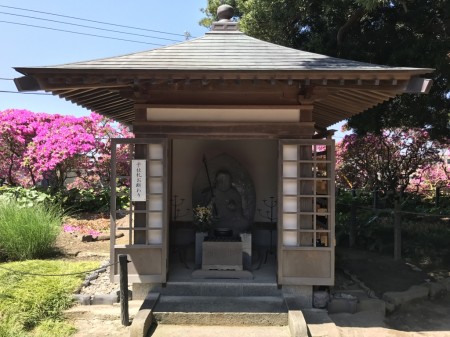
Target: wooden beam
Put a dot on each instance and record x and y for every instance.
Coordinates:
(419, 85)
(248, 130)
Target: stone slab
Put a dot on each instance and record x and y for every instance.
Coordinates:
(222, 274)
(398, 298)
(371, 304)
(82, 299)
(164, 330)
(339, 305)
(104, 299)
(219, 288)
(209, 310)
(436, 289)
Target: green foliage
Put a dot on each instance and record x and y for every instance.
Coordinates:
(74, 200)
(371, 227)
(26, 197)
(394, 33)
(27, 232)
(424, 237)
(54, 328)
(33, 305)
(11, 328)
(92, 200)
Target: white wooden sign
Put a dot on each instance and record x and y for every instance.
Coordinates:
(138, 179)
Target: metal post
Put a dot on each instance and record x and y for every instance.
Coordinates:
(375, 199)
(438, 195)
(352, 238)
(123, 268)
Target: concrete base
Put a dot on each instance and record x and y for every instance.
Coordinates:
(222, 274)
(140, 290)
(302, 295)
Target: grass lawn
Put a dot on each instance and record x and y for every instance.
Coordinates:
(33, 305)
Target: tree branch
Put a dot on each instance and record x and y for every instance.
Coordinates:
(355, 17)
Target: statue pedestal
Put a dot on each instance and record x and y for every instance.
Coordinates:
(222, 255)
(246, 239)
(225, 259)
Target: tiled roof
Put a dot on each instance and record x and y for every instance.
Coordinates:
(222, 60)
(224, 51)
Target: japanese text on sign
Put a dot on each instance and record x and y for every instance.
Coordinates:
(138, 175)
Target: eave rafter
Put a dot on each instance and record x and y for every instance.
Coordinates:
(336, 94)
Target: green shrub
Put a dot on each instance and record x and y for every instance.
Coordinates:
(92, 200)
(54, 328)
(26, 197)
(10, 328)
(27, 232)
(35, 304)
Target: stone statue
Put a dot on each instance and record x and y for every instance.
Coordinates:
(231, 194)
(227, 203)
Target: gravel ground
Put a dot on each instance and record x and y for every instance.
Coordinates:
(100, 284)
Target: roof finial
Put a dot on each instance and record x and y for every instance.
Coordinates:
(225, 13)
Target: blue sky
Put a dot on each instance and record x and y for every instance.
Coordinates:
(31, 46)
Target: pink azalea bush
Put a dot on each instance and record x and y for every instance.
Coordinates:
(394, 161)
(36, 146)
(426, 181)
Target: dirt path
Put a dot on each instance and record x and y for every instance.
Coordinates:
(422, 318)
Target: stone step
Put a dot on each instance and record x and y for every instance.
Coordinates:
(219, 288)
(164, 330)
(319, 323)
(220, 310)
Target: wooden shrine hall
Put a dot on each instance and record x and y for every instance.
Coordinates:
(259, 113)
